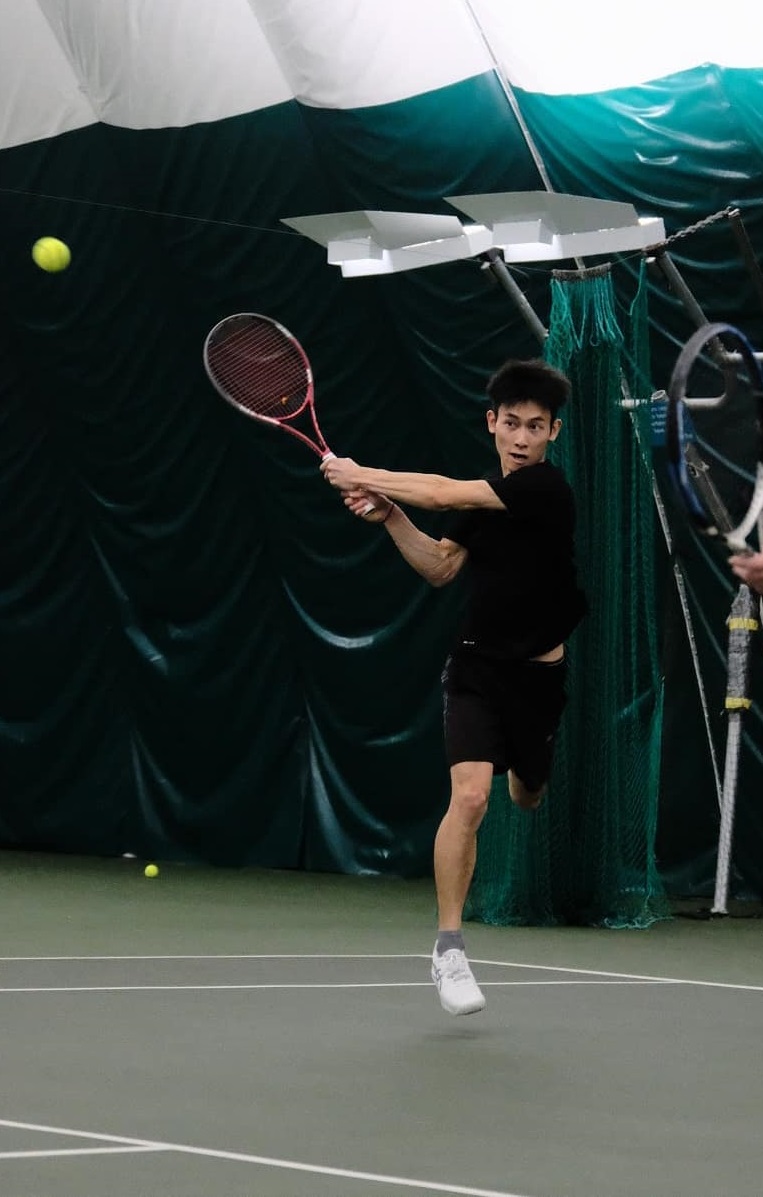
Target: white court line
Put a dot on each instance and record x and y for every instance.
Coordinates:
(404, 1182)
(298, 985)
(246, 956)
(37, 1155)
(553, 968)
(594, 972)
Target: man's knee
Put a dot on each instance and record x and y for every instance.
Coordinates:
(469, 802)
(522, 795)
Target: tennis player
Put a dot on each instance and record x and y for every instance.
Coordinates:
(505, 679)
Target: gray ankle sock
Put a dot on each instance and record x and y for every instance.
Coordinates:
(447, 940)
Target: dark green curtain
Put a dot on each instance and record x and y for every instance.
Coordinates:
(207, 657)
(204, 657)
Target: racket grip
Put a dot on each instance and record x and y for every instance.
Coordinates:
(369, 507)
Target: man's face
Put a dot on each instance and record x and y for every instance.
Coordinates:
(522, 431)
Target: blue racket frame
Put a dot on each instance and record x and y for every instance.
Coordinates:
(706, 509)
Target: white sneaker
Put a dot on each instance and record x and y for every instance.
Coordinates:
(459, 992)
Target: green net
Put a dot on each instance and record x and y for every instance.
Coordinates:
(587, 856)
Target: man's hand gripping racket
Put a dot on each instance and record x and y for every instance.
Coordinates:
(260, 368)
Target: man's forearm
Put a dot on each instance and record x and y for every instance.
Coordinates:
(424, 554)
(432, 492)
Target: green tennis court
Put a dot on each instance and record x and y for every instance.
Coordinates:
(243, 1032)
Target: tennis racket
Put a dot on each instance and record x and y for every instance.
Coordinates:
(259, 367)
(715, 442)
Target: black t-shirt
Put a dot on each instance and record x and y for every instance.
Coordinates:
(524, 595)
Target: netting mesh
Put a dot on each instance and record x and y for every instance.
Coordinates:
(587, 856)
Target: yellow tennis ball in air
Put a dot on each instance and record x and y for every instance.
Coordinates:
(151, 870)
(51, 255)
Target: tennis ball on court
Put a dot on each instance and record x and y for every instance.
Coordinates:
(151, 870)
(51, 255)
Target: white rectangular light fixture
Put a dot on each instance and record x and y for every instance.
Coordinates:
(527, 226)
(561, 226)
(378, 242)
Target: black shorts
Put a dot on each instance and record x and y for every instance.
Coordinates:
(505, 712)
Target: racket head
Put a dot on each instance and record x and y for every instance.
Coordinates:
(715, 443)
(259, 366)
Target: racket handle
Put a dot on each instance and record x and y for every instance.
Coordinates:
(329, 456)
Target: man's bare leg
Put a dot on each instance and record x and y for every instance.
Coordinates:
(455, 846)
(454, 858)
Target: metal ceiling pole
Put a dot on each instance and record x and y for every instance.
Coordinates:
(492, 260)
(512, 99)
(508, 91)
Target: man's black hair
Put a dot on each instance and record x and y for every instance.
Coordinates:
(535, 380)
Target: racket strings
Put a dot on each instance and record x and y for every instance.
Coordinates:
(745, 474)
(261, 370)
(714, 424)
(728, 453)
(722, 439)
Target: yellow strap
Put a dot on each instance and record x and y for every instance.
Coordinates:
(736, 704)
(749, 625)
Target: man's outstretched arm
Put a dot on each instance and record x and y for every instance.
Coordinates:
(433, 492)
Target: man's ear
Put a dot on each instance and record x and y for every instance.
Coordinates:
(491, 421)
(555, 430)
